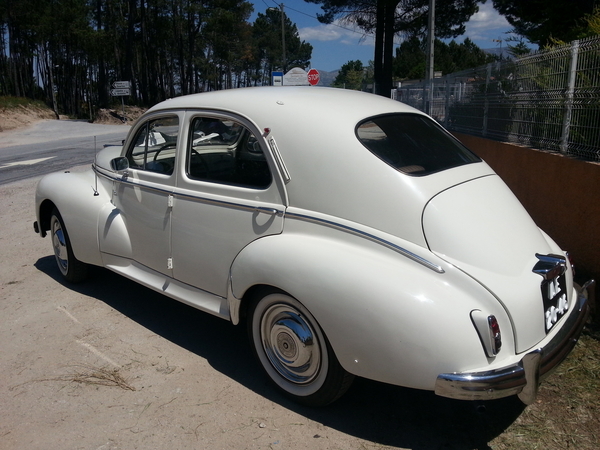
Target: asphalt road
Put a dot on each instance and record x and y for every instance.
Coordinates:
(52, 146)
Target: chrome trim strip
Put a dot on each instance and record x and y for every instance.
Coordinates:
(209, 201)
(285, 174)
(126, 180)
(258, 209)
(522, 378)
(273, 211)
(370, 237)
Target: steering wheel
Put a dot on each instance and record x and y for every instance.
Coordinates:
(203, 163)
(164, 147)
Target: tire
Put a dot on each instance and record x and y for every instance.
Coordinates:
(294, 352)
(70, 267)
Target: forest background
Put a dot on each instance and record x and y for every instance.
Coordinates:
(68, 53)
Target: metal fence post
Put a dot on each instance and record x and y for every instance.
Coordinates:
(564, 139)
(486, 105)
(447, 105)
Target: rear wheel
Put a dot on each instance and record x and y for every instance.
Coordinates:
(294, 352)
(70, 267)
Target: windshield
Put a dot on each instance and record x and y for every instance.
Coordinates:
(413, 144)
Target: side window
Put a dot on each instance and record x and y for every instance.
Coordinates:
(224, 151)
(412, 144)
(154, 146)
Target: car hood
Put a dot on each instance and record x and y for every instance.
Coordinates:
(480, 227)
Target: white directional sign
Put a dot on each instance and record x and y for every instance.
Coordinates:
(121, 84)
(120, 92)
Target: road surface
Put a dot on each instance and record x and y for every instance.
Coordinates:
(53, 145)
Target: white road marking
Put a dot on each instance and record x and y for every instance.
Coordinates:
(29, 162)
(98, 353)
(68, 314)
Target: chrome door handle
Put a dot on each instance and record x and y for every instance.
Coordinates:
(269, 211)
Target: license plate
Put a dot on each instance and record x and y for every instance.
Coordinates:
(556, 304)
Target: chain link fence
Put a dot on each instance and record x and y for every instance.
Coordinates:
(547, 100)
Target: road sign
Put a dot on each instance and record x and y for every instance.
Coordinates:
(277, 78)
(295, 77)
(313, 77)
(121, 85)
(120, 92)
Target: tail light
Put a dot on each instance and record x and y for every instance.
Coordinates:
(488, 330)
(495, 335)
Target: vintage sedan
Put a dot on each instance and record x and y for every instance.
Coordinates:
(350, 233)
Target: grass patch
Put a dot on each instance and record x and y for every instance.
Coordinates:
(566, 413)
(98, 376)
(15, 102)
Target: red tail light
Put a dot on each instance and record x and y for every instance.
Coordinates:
(495, 335)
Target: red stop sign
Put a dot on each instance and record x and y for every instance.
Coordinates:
(313, 76)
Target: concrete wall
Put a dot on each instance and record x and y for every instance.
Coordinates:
(561, 194)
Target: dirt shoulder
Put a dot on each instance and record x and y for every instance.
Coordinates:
(20, 117)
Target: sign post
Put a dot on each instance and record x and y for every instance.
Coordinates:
(121, 89)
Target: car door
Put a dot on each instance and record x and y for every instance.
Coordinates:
(227, 196)
(143, 196)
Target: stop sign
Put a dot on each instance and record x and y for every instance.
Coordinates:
(313, 76)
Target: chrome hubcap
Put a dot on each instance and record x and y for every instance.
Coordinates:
(60, 245)
(290, 344)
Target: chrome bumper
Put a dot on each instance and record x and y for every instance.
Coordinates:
(523, 378)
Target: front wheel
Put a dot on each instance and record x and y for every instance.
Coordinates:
(70, 267)
(294, 352)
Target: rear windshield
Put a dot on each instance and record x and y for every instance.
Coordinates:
(412, 144)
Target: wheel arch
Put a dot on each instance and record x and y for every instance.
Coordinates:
(44, 214)
(78, 198)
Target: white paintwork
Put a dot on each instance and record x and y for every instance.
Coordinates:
(337, 239)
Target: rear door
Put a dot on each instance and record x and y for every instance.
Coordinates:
(227, 196)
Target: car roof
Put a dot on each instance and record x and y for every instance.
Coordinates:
(264, 104)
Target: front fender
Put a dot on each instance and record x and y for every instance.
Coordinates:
(79, 197)
(387, 317)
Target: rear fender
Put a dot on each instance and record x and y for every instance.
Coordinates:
(387, 317)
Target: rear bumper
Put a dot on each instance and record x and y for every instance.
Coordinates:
(523, 378)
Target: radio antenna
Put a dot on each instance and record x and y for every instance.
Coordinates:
(95, 168)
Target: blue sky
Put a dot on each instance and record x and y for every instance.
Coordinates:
(335, 45)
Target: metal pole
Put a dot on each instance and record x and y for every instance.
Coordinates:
(283, 35)
(430, 44)
(486, 101)
(564, 140)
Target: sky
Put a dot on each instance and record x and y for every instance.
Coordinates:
(335, 45)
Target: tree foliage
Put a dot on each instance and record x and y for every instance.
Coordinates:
(453, 57)
(350, 76)
(387, 18)
(269, 43)
(542, 21)
(69, 52)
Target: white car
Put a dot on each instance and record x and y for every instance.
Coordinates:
(350, 233)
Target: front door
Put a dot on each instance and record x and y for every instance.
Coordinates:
(144, 196)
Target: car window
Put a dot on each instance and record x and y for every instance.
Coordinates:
(413, 144)
(154, 146)
(225, 151)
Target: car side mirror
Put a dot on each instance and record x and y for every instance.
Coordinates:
(119, 164)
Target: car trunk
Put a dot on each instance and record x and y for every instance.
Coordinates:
(481, 228)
